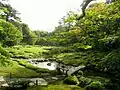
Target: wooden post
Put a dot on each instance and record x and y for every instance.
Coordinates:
(10, 75)
(67, 71)
(36, 82)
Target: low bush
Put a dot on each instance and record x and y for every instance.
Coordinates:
(79, 73)
(110, 62)
(72, 80)
(4, 52)
(4, 61)
(95, 86)
(84, 81)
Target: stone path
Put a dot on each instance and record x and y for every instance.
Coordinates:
(11, 82)
(3, 82)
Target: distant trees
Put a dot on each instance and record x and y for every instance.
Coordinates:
(98, 28)
(89, 30)
(28, 36)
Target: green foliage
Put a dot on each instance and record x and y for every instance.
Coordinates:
(56, 87)
(32, 39)
(72, 80)
(109, 43)
(17, 71)
(93, 41)
(4, 52)
(28, 36)
(95, 86)
(9, 34)
(27, 51)
(4, 62)
(84, 81)
(80, 72)
(8, 13)
(111, 62)
(81, 47)
(4, 57)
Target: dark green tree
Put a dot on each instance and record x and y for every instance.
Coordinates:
(28, 36)
(9, 34)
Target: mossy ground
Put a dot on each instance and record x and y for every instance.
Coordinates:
(17, 70)
(27, 51)
(22, 69)
(56, 87)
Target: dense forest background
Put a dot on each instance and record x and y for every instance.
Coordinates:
(94, 40)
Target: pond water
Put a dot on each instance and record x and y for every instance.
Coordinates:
(47, 65)
(53, 65)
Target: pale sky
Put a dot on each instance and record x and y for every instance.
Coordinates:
(44, 14)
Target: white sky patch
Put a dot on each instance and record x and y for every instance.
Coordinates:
(44, 14)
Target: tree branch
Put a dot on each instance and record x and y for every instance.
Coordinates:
(84, 6)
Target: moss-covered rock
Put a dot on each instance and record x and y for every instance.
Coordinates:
(72, 80)
(95, 86)
(84, 81)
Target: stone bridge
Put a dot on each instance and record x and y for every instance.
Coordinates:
(68, 70)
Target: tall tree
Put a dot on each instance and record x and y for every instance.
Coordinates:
(8, 13)
(85, 3)
(84, 6)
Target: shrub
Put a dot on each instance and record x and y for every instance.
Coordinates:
(4, 52)
(72, 80)
(95, 86)
(80, 72)
(4, 61)
(22, 62)
(84, 81)
(4, 55)
(111, 62)
(81, 47)
(54, 51)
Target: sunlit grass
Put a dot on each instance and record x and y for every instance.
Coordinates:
(28, 51)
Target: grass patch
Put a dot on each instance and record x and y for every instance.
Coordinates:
(17, 71)
(27, 51)
(81, 57)
(56, 87)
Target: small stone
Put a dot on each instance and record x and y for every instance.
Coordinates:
(54, 78)
(5, 85)
(31, 84)
(49, 64)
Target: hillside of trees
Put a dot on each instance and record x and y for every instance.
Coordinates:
(93, 40)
